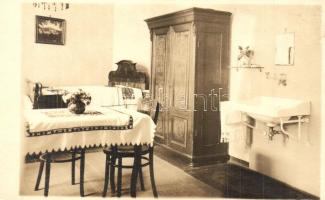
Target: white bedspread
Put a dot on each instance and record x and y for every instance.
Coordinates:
(141, 132)
(107, 96)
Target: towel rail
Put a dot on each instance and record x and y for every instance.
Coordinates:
(299, 121)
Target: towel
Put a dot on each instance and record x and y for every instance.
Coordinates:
(228, 114)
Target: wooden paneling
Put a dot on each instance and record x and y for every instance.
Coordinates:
(210, 78)
(159, 60)
(190, 58)
(180, 68)
(189, 15)
(210, 62)
(179, 131)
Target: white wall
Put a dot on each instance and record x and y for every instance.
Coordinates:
(85, 58)
(131, 34)
(293, 162)
(255, 25)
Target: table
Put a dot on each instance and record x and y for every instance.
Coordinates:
(58, 129)
(49, 130)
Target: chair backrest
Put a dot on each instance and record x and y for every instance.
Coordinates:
(155, 111)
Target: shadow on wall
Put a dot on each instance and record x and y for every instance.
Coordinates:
(263, 163)
(144, 69)
(249, 137)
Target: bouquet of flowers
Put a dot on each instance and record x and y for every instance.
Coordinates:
(77, 101)
(245, 56)
(78, 96)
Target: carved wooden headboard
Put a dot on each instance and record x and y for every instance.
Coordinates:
(127, 75)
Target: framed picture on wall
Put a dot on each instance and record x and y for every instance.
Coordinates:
(50, 30)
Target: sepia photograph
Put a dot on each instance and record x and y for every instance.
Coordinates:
(167, 99)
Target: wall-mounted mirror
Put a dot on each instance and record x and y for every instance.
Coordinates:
(284, 52)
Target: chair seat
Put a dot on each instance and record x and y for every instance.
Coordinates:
(140, 153)
(60, 157)
(126, 151)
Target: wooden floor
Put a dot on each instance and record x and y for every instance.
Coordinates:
(174, 178)
(235, 180)
(170, 180)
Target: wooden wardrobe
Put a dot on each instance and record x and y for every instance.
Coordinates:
(189, 76)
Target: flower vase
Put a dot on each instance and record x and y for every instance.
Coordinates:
(249, 62)
(78, 107)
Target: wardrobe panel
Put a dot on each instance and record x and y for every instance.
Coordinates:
(159, 61)
(180, 66)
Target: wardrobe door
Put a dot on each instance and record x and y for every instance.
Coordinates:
(159, 71)
(178, 80)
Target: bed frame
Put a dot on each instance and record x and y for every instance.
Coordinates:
(127, 75)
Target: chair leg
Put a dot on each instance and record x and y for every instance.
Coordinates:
(135, 170)
(119, 177)
(39, 176)
(73, 166)
(141, 176)
(47, 175)
(107, 166)
(82, 171)
(152, 176)
(112, 175)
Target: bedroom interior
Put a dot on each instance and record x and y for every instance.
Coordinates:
(239, 96)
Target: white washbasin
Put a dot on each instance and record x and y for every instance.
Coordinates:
(273, 109)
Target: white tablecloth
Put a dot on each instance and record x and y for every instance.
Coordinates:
(141, 132)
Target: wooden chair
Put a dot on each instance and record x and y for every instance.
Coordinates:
(139, 153)
(58, 157)
(61, 157)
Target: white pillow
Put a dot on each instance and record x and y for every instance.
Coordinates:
(27, 103)
(137, 96)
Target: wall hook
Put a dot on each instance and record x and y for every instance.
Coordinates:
(285, 30)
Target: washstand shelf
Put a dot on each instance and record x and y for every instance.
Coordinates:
(253, 66)
(275, 112)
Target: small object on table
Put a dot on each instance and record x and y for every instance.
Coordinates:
(77, 101)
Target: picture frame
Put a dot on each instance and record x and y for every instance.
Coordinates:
(50, 30)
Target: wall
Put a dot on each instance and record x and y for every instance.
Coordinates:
(322, 154)
(292, 162)
(131, 34)
(85, 58)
